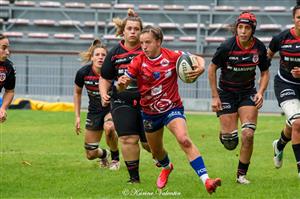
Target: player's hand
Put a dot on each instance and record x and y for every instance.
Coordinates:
(258, 99)
(105, 100)
(122, 83)
(3, 115)
(77, 126)
(296, 72)
(216, 104)
(198, 65)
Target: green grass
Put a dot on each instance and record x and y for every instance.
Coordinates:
(41, 157)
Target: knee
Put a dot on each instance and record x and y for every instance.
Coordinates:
(146, 146)
(230, 140)
(91, 150)
(129, 140)
(91, 155)
(185, 142)
(296, 125)
(108, 128)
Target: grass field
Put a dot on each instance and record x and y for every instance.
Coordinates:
(41, 157)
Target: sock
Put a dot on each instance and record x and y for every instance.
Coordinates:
(165, 162)
(199, 168)
(104, 153)
(133, 169)
(242, 169)
(283, 140)
(115, 155)
(296, 148)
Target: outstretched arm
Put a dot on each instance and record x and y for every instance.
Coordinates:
(7, 99)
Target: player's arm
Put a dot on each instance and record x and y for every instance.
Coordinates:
(123, 82)
(212, 76)
(104, 88)
(263, 84)
(7, 99)
(199, 67)
(296, 72)
(270, 53)
(77, 107)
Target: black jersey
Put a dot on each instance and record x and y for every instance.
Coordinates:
(7, 75)
(238, 65)
(115, 64)
(85, 76)
(288, 45)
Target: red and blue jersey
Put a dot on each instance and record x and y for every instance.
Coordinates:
(157, 81)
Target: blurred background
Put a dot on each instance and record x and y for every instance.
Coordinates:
(46, 37)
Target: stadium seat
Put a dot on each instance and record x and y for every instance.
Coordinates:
(13, 34)
(187, 38)
(270, 27)
(149, 7)
(218, 26)
(44, 22)
(214, 39)
(168, 25)
(19, 21)
(174, 7)
(198, 8)
(86, 36)
(4, 3)
(74, 5)
(288, 26)
(41, 35)
(123, 6)
(169, 38)
(25, 3)
(193, 25)
(265, 39)
(50, 4)
(111, 24)
(111, 37)
(94, 23)
(64, 36)
(148, 24)
(69, 23)
(1, 21)
(224, 8)
(274, 8)
(250, 8)
(100, 5)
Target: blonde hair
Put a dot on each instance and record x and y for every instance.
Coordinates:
(87, 55)
(121, 23)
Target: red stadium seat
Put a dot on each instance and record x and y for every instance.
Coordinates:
(148, 24)
(64, 36)
(4, 3)
(265, 39)
(198, 8)
(1, 21)
(224, 8)
(169, 38)
(111, 37)
(111, 24)
(288, 26)
(19, 21)
(94, 23)
(86, 36)
(13, 34)
(44, 22)
(214, 39)
(149, 7)
(193, 25)
(100, 5)
(173, 7)
(274, 9)
(38, 35)
(74, 5)
(168, 25)
(187, 38)
(270, 27)
(25, 3)
(50, 4)
(250, 8)
(123, 6)
(218, 26)
(69, 23)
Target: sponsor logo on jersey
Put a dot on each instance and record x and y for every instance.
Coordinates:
(2, 77)
(156, 75)
(156, 90)
(245, 58)
(287, 92)
(164, 62)
(147, 124)
(286, 46)
(255, 58)
(294, 59)
(226, 105)
(144, 64)
(233, 58)
(168, 73)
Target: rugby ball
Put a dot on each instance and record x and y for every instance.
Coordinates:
(184, 64)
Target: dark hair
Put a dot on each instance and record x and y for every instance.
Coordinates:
(87, 55)
(120, 24)
(2, 36)
(156, 32)
(297, 7)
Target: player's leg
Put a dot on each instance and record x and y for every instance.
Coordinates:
(177, 125)
(93, 134)
(125, 117)
(248, 117)
(111, 138)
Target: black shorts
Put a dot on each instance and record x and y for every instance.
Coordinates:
(128, 119)
(285, 91)
(95, 121)
(232, 101)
